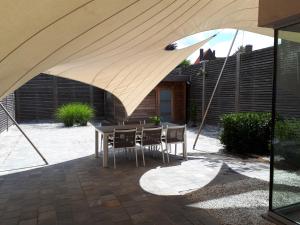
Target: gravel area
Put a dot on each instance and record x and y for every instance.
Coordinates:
(245, 200)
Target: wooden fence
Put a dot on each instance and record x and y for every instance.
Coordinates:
(246, 84)
(9, 104)
(39, 98)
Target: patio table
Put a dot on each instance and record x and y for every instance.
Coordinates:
(106, 131)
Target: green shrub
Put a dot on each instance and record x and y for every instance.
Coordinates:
(246, 132)
(155, 120)
(286, 130)
(287, 142)
(74, 113)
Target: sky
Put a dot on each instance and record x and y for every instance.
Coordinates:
(221, 43)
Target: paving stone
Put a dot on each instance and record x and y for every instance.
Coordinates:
(111, 203)
(75, 189)
(120, 217)
(28, 215)
(81, 217)
(134, 210)
(47, 215)
(46, 208)
(11, 221)
(124, 222)
(139, 218)
(11, 214)
(28, 222)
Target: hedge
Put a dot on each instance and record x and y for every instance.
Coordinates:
(245, 133)
(287, 142)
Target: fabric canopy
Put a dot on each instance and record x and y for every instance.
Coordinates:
(116, 45)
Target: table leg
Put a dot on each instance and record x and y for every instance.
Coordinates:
(105, 150)
(184, 148)
(96, 144)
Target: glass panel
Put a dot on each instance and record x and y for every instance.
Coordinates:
(166, 105)
(165, 95)
(286, 143)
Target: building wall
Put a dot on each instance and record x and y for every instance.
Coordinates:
(149, 107)
(9, 104)
(178, 100)
(276, 13)
(38, 99)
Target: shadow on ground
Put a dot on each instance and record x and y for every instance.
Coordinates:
(82, 192)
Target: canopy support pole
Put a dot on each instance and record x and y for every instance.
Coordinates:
(20, 129)
(214, 91)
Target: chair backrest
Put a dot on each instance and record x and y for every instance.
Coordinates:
(130, 122)
(175, 134)
(151, 136)
(124, 138)
(121, 123)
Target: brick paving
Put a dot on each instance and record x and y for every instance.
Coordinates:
(75, 189)
(81, 192)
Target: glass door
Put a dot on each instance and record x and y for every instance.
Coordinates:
(285, 157)
(166, 105)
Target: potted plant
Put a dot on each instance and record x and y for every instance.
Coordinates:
(155, 120)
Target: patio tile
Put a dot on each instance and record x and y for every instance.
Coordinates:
(12, 221)
(46, 208)
(28, 222)
(49, 215)
(28, 215)
(79, 191)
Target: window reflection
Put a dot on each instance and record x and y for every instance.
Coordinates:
(286, 143)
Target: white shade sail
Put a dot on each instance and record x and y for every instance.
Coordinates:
(117, 45)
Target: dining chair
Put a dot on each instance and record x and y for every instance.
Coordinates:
(151, 137)
(131, 122)
(124, 139)
(174, 135)
(110, 137)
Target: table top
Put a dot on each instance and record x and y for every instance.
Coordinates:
(110, 129)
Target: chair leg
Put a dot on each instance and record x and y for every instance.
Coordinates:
(114, 151)
(183, 149)
(162, 152)
(136, 158)
(142, 149)
(168, 159)
(101, 143)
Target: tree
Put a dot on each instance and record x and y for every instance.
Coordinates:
(184, 63)
(241, 49)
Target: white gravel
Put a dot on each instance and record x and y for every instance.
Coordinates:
(234, 203)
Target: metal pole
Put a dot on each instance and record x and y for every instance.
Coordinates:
(15, 122)
(203, 88)
(214, 91)
(7, 120)
(237, 83)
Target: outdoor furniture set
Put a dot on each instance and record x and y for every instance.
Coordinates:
(138, 137)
